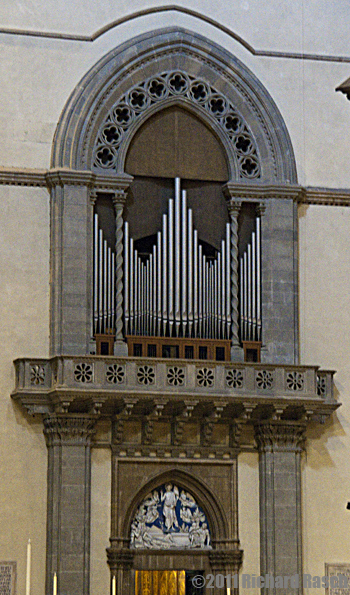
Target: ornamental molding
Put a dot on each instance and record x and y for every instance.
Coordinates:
(112, 182)
(226, 559)
(260, 192)
(182, 9)
(69, 429)
(279, 435)
(120, 558)
(166, 50)
(14, 176)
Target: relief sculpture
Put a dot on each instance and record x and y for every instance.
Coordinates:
(169, 517)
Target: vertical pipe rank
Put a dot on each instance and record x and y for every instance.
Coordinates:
(195, 282)
(183, 235)
(126, 277)
(177, 256)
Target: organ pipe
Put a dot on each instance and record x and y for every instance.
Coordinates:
(177, 290)
(250, 288)
(103, 283)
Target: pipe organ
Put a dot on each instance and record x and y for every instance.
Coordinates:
(104, 283)
(250, 288)
(177, 289)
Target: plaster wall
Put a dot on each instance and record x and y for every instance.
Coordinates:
(325, 331)
(39, 80)
(24, 311)
(100, 519)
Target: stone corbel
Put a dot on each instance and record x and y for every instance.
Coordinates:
(148, 426)
(210, 421)
(121, 418)
(181, 419)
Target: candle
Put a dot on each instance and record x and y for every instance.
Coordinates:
(29, 551)
(114, 585)
(54, 590)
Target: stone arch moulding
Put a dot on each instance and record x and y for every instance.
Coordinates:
(213, 84)
(215, 514)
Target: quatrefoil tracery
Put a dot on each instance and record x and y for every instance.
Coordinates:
(174, 84)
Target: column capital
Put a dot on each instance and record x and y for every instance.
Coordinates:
(69, 429)
(119, 558)
(233, 207)
(261, 208)
(280, 435)
(226, 560)
(116, 185)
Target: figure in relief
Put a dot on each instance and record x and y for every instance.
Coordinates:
(170, 498)
(169, 518)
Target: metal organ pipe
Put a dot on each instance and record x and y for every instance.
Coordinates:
(195, 280)
(177, 256)
(228, 281)
(96, 277)
(177, 290)
(250, 288)
(190, 281)
(103, 282)
(126, 278)
(132, 286)
(184, 279)
(258, 278)
(200, 290)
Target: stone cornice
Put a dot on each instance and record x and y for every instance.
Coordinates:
(114, 183)
(260, 192)
(22, 177)
(325, 196)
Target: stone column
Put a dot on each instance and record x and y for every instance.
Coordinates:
(234, 207)
(120, 347)
(280, 444)
(68, 439)
(70, 260)
(279, 291)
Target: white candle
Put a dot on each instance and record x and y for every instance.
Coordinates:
(114, 585)
(54, 590)
(29, 551)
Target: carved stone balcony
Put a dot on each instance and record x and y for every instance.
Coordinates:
(107, 385)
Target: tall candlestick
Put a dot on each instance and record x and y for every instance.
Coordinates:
(29, 553)
(114, 585)
(54, 590)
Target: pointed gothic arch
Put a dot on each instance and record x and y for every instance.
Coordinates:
(218, 521)
(231, 91)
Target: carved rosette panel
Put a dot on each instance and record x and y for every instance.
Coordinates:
(37, 375)
(161, 88)
(115, 374)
